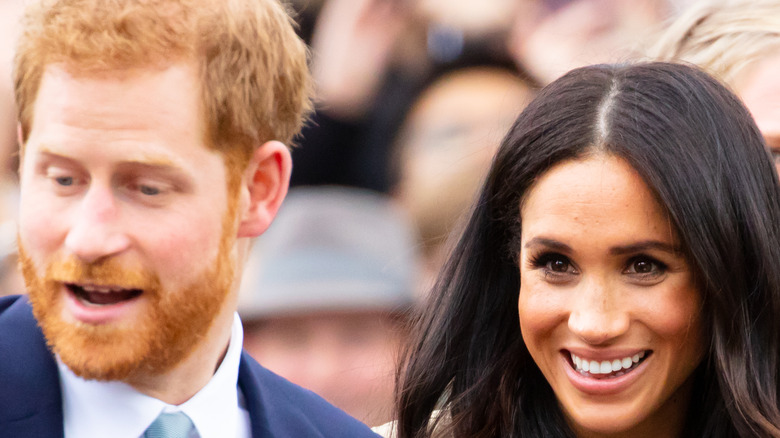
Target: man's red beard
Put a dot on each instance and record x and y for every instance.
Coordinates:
(170, 326)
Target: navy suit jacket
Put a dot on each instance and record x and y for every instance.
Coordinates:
(31, 401)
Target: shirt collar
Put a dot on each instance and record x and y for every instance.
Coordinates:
(116, 409)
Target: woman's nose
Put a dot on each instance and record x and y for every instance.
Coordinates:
(597, 314)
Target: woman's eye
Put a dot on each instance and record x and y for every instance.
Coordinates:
(554, 264)
(645, 267)
(558, 265)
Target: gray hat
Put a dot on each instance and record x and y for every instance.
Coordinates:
(331, 249)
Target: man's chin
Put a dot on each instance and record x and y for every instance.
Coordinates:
(142, 330)
(109, 351)
(154, 338)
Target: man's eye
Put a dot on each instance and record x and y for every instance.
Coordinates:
(149, 190)
(64, 180)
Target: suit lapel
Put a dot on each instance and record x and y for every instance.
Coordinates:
(250, 385)
(30, 398)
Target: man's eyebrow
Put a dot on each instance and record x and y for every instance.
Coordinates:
(45, 150)
(143, 161)
(154, 165)
(548, 243)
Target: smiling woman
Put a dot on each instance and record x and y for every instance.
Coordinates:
(612, 322)
(619, 275)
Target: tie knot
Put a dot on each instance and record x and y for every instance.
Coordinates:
(175, 425)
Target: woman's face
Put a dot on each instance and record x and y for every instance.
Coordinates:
(608, 306)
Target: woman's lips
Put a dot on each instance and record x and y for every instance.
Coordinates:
(612, 380)
(606, 368)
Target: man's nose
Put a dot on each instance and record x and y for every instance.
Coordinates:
(95, 230)
(598, 314)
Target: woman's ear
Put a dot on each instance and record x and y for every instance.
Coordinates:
(264, 183)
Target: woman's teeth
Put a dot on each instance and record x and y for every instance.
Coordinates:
(592, 367)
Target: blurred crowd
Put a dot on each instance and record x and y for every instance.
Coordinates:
(413, 98)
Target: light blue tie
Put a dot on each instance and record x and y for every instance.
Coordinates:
(177, 425)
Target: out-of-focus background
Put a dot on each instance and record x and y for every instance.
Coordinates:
(413, 98)
(10, 278)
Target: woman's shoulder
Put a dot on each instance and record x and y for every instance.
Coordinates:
(386, 430)
(389, 430)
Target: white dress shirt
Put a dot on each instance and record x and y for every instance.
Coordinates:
(101, 409)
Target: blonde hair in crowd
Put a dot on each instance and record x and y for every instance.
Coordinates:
(255, 83)
(722, 36)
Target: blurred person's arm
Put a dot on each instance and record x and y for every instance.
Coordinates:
(352, 48)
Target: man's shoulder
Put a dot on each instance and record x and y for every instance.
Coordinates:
(287, 409)
(17, 322)
(8, 301)
(30, 401)
(22, 345)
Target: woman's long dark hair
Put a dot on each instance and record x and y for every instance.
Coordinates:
(697, 148)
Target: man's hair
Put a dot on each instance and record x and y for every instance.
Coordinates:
(723, 37)
(255, 83)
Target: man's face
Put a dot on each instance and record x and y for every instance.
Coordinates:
(126, 232)
(346, 357)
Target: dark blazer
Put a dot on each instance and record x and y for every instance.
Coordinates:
(31, 402)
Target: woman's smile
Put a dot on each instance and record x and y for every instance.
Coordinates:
(605, 369)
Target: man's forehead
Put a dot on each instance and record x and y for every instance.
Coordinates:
(114, 94)
(146, 115)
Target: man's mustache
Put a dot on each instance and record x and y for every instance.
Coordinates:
(105, 272)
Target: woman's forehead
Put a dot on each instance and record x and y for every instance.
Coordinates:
(601, 192)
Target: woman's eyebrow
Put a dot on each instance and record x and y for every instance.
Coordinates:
(547, 243)
(645, 246)
(618, 250)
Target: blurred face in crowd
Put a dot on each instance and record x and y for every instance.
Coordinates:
(475, 19)
(608, 307)
(551, 37)
(126, 232)
(447, 143)
(346, 357)
(10, 12)
(759, 88)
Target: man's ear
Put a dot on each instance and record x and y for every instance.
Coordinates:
(264, 186)
(20, 140)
